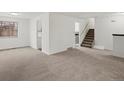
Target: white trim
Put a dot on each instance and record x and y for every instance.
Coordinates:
(99, 47)
(118, 55)
(83, 33)
(57, 51)
(45, 52)
(2, 49)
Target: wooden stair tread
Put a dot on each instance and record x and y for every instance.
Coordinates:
(89, 38)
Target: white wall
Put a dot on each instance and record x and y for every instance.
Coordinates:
(62, 30)
(23, 34)
(105, 27)
(92, 23)
(118, 46)
(82, 23)
(33, 33)
(77, 26)
(83, 29)
(44, 18)
(45, 33)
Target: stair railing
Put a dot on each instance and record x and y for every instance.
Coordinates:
(83, 32)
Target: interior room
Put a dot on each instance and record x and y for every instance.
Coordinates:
(61, 46)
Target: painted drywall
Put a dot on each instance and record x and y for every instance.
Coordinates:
(57, 32)
(34, 24)
(23, 34)
(77, 26)
(84, 27)
(92, 23)
(118, 46)
(62, 29)
(105, 27)
(44, 19)
(45, 33)
(33, 33)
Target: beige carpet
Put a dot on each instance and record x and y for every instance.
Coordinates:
(74, 64)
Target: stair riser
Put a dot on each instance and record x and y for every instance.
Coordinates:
(89, 38)
(87, 46)
(90, 43)
(90, 35)
(87, 41)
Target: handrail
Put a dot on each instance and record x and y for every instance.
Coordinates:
(84, 32)
(84, 29)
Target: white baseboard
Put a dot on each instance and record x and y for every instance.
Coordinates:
(47, 53)
(118, 55)
(2, 49)
(56, 51)
(99, 47)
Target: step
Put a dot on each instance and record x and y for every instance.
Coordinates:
(85, 42)
(89, 35)
(88, 40)
(86, 45)
(91, 30)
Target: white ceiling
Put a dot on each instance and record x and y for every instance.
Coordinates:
(86, 14)
(29, 15)
(25, 15)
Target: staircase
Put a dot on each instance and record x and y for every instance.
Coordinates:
(89, 38)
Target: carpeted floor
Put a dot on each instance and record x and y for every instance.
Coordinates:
(75, 64)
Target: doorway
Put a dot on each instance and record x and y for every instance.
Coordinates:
(84, 33)
(39, 35)
(88, 34)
